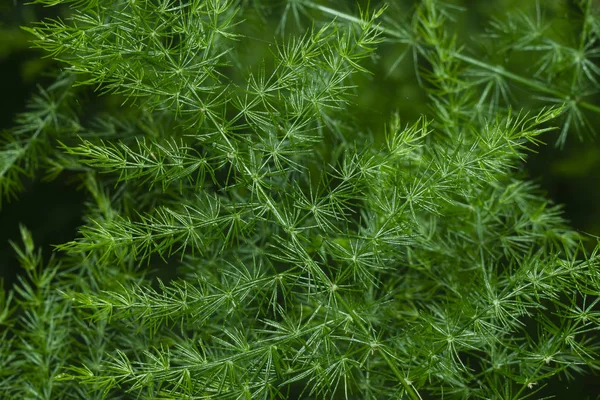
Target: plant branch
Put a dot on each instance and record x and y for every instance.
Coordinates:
(532, 83)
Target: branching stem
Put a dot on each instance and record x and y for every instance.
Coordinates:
(390, 362)
(532, 83)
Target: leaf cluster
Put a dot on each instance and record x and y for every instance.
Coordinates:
(245, 237)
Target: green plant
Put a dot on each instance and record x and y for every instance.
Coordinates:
(246, 237)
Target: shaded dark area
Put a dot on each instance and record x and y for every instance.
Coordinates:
(570, 176)
(51, 221)
(50, 210)
(18, 89)
(584, 388)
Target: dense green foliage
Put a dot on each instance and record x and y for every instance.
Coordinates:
(252, 230)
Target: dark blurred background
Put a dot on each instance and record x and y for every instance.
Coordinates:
(51, 210)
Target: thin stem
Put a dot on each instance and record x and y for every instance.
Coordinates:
(526, 81)
(540, 86)
(589, 106)
(518, 78)
(337, 13)
(412, 393)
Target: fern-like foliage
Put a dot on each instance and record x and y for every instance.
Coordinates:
(303, 252)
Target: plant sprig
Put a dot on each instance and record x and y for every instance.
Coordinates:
(246, 237)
